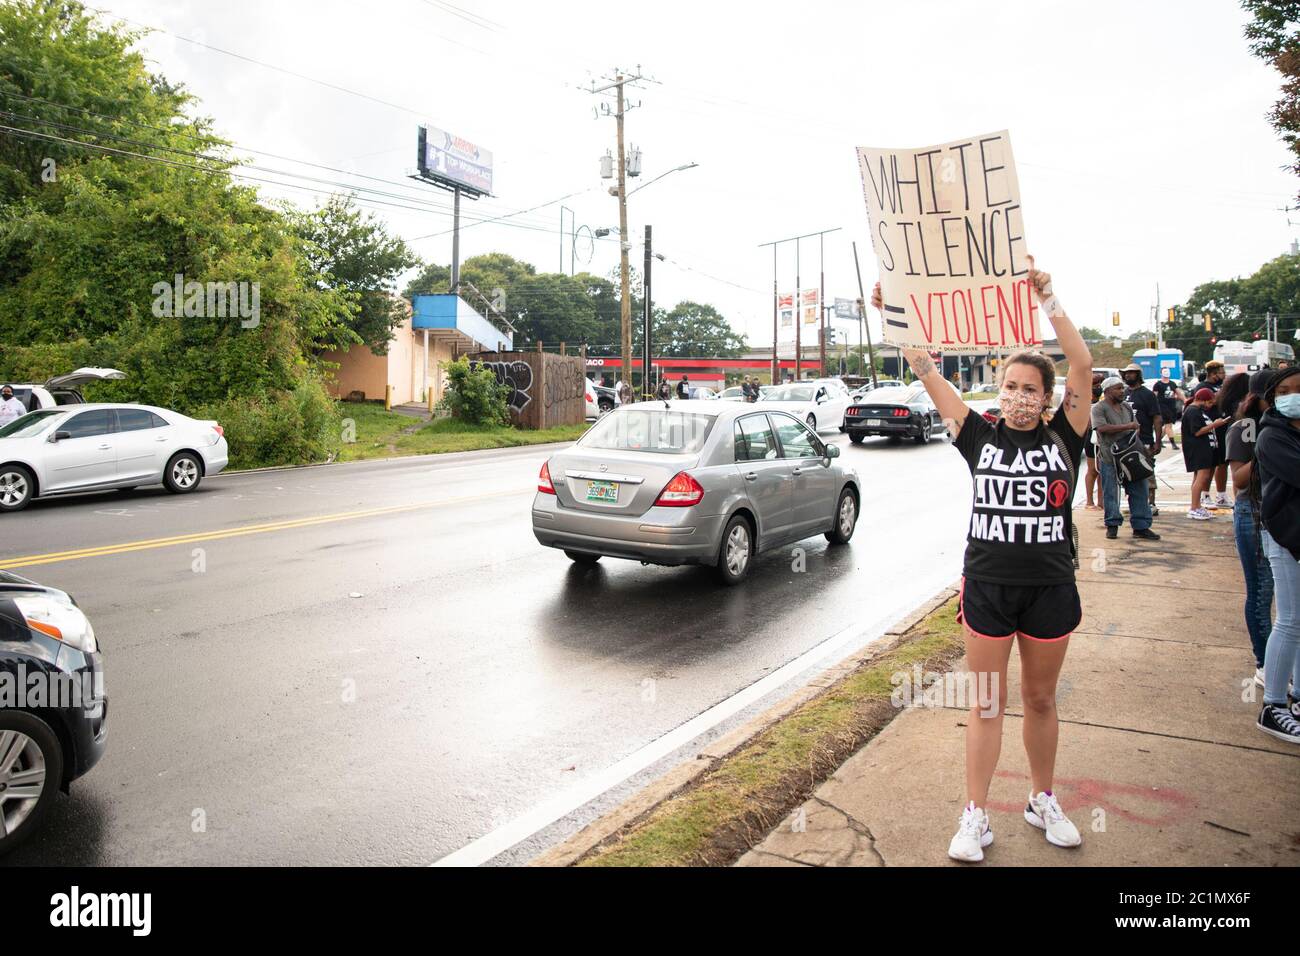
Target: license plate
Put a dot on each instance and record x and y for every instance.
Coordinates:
(873, 422)
(602, 491)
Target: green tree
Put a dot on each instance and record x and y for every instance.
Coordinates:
(85, 252)
(1274, 39)
(1236, 307)
(354, 254)
(692, 328)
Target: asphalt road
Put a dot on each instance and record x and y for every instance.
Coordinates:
(376, 663)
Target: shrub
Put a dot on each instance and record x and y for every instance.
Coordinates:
(474, 395)
(293, 427)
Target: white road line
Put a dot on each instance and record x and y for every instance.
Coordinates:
(543, 815)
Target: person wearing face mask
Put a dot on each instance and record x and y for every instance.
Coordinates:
(1243, 435)
(1092, 478)
(1167, 396)
(1112, 419)
(1277, 455)
(11, 408)
(1200, 448)
(1018, 585)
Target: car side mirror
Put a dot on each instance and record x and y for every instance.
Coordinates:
(832, 451)
(60, 436)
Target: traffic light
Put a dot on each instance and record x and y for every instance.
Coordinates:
(1151, 343)
(1208, 326)
(1213, 339)
(1171, 316)
(1114, 318)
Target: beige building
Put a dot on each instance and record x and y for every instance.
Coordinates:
(439, 329)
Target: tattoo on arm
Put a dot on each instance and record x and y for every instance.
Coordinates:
(922, 364)
(1070, 401)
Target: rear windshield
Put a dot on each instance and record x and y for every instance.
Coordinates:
(789, 393)
(657, 430)
(33, 423)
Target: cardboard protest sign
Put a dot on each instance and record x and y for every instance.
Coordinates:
(949, 238)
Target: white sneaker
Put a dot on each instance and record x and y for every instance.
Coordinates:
(973, 834)
(1200, 514)
(1205, 501)
(1259, 676)
(1045, 813)
(1222, 502)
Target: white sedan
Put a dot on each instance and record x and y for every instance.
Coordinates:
(75, 448)
(820, 403)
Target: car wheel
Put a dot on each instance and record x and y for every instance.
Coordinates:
(183, 474)
(735, 552)
(31, 772)
(924, 437)
(812, 422)
(16, 487)
(578, 557)
(856, 439)
(605, 405)
(846, 518)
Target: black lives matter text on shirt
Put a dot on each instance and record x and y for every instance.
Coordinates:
(1021, 509)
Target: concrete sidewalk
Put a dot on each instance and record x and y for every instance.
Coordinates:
(1159, 760)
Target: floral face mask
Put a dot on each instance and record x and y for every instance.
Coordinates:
(1020, 408)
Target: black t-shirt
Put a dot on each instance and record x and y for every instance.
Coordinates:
(1240, 450)
(1164, 393)
(1021, 508)
(1194, 419)
(1143, 402)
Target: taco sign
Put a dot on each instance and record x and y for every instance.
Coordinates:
(949, 237)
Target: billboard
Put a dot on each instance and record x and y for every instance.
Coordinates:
(785, 304)
(454, 162)
(949, 238)
(810, 305)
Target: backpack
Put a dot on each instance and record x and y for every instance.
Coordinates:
(1131, 459)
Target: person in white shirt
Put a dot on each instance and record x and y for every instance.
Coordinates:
(10, 407)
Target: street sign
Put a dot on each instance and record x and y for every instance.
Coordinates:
(846, 308)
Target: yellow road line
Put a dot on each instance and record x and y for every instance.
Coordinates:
(126, 547)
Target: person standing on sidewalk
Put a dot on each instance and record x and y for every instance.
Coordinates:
(1242, 435)
(1199, 454)
(1146, 407)
(1113, 419)
(1092, 477)
(1277, 455)
(1214, 376)
(1168, 395)
(1018, 581)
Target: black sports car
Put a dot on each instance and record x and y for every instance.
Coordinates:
(53, 710)
(900, 412)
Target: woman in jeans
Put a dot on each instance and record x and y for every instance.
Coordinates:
(1277, 455)
(1245, 508)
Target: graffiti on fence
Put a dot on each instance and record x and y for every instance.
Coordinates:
(516, 376)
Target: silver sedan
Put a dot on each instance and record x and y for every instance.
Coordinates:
(694, 482)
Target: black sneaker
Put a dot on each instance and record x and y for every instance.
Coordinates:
(1146, 534)
(1276, 721)
(1112, 531)
(1155, 512)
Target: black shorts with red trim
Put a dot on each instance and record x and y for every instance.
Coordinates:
(1048, 612)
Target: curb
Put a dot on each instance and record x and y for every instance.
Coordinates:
(640, 804)
(442, 455)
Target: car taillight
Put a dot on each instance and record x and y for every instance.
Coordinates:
(901, 413)
(682, 492)
(544, 480)
(221, 432)
(853, 411)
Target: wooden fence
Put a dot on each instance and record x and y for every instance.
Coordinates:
(546, 390)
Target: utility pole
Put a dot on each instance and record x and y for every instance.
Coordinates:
(821, 332)
(862, 316)
(1160, 328)
(645, 319)
(796, 305)
(618, 83)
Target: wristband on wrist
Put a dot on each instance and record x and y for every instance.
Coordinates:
(1052, 306)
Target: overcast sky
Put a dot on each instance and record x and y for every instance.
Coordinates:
(1140, 132)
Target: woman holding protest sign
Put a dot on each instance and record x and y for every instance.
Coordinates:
(1018, 579)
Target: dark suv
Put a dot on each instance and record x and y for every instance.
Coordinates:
(53, 710)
